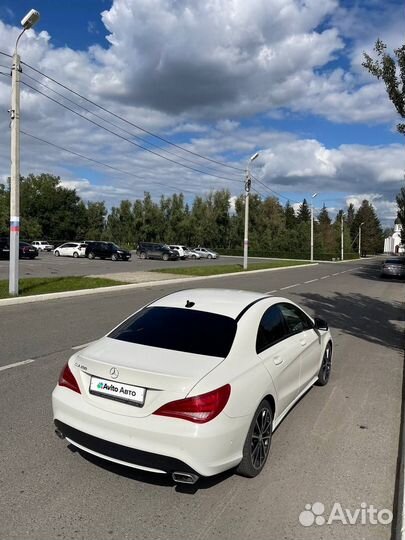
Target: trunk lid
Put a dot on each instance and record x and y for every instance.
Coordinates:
(165, 374)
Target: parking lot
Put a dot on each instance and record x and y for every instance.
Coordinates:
(47, 265)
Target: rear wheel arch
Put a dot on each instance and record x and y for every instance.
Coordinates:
(271, 402)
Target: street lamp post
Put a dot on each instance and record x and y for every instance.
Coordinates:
(360, 226)
(30, 19)
(312, 226)
(342, 254)
(248, 182)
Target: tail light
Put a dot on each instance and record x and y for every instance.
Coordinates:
(198, 409)
(67, 379)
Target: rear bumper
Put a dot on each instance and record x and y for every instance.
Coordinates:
(153, 442)
(123, 454)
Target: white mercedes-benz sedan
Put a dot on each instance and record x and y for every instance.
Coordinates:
(192, 384)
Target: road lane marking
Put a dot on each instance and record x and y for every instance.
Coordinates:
(336, 274)
(290, 286)
(311, 280)
(271, 292)
(324, 277)
(16, 364)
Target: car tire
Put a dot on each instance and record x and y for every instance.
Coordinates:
(326, 366)
(142, 255)
(165, 257)
(114, 257)
(194, 257)
(209, 256)
(57, 254)
(75, 254)
(91, 255)
(258, 440)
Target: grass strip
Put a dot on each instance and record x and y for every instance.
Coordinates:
(30, 286)
(213, 270)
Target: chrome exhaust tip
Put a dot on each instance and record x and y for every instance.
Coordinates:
(59, 433)
(185, 478)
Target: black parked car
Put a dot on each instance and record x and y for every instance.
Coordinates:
(106, 250)
(151, 250)
(26, 251)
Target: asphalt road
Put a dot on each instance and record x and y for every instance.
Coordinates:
(47, 265)
(338, 445)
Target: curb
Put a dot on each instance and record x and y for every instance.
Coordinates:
(398, 529)
(113, 288)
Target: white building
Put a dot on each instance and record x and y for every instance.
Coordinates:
(392, 244)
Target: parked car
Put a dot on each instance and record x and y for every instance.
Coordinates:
(394, 267)
(26, 250)
(193, 383)
(70, 249)
(107, 250)
(151, 250)
(206, 253)
(42, 245)
(193, 254)
(181, 250)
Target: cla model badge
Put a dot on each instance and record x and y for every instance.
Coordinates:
(114, 372)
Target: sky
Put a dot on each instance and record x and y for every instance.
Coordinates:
(196, 88)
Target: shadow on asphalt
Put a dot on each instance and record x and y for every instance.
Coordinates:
(155, 479)
(369, 318)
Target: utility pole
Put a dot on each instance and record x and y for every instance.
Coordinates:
(312, 226)
(248, 183)
(15, 176)
(341, 237)
(360, 226)
(30, 19)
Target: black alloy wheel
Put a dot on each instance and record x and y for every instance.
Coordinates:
(326, 366)
(258, 440)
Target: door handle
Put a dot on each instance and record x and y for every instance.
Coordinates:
(277, 360)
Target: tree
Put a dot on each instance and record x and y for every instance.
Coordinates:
(290, 218)
(385, 67)
(304, 213)
(372, 240)
(401, 212)
(96, 220)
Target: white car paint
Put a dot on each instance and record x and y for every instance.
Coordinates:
(41, 245)
(70, 249)
(283, 371)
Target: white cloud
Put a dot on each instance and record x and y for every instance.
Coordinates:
(199, 71)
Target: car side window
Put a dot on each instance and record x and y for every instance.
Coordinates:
(271, 329)
(295, 319)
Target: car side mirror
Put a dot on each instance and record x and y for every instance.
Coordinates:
(320, 324)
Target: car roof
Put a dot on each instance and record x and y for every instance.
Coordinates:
(228, 302)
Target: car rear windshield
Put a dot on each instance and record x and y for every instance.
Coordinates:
(394, 261)
(178, 329)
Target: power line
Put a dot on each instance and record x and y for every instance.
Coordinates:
(98, 162)
(273, 191)
(167, 141)
(129, 140)
(111, 123)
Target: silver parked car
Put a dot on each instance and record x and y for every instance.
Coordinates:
(393, 267)
(206, 253)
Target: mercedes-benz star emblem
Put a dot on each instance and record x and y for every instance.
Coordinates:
(114, 372)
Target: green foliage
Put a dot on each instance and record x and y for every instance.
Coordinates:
(392, 72)
(50, 210)
(372, 239)
(304, 213)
